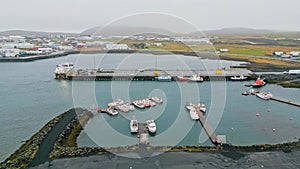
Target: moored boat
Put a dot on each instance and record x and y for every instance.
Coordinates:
(123, 108)
(241, 78)
(138, 104)
(194, 114)
(116, 103)
(182, 79)
(189, 106)
(156, 100)
(165, 78)
(265, 96)
(246, 93)
(130, 107)
(196, 78)
(258, 83)
(202, 107)
(195, 109)
(151, 126)
(253, 92)
(112, 112)
(61, 70)
(133, 125)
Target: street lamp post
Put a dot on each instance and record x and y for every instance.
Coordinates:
(232, 131)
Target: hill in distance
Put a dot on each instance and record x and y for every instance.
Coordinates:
(32, 33)
(238, 31)
(125, 31)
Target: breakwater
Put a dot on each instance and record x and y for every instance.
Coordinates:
(65, 53)
(36, 57)
(36, 150)
(150, 75)
(65, 128)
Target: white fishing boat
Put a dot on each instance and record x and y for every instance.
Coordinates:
(202, 107)
(133, 125)
(130, 107)
(196, 78)
(61, 70)
(182, 79)
(116, 103)
(112, 112)
(146, 102)
(138, 104)
(156, 100)
(164, 78)
(241, 78)
(151, 126)
(152, 103)
(123, 108)
(194, 114)
(189, 106)
(265, 96)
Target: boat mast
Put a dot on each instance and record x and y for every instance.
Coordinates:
(94, 63)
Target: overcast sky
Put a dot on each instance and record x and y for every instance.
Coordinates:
(78, 15)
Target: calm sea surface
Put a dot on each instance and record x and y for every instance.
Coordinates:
(30, 97)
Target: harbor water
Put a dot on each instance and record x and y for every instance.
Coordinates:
(30, 97)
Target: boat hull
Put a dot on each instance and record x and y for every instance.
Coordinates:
(133, 126)
(163, 79)
(238, 79)
(264, 96)
(182, 79)
(257, 85)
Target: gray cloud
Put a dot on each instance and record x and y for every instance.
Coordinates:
(78, 15)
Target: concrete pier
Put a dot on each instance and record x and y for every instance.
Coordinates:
(149, 75)
(285, 101)
(143, 134)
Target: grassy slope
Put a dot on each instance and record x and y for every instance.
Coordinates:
(254, 50)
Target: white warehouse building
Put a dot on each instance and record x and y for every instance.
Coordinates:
(10, 52)
(117, 47)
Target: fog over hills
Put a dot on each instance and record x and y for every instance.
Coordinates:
(32, 33)
(127, 31)
(239, 31)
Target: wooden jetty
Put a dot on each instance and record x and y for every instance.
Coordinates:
(209, 131)
(143, 134)
(285, 101)
(197, 114)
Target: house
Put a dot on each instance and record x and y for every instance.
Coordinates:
(46, 50)
(10, 52)
(294, 72)
(295, 53)
(157, 44)
(117, 47)
(224, 50)
(285, 56)
(278, 53)
(192, 40)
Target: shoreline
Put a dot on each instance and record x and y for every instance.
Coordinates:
(60, 136)
(254, 66)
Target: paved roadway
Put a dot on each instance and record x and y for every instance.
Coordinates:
(179, 160)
